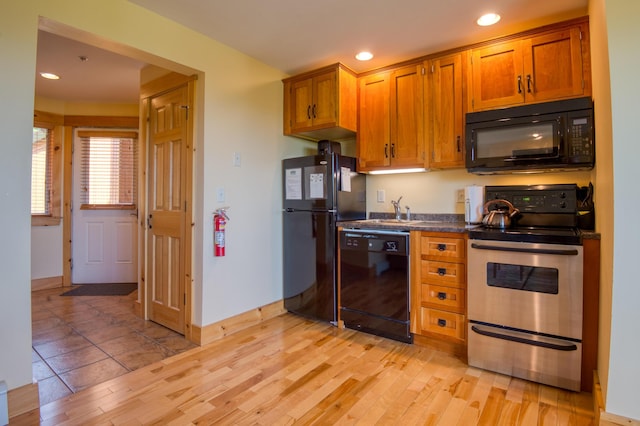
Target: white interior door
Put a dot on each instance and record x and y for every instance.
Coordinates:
(104, 241)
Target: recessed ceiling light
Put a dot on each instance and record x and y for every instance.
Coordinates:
(364, 56)
(50, 76)
(488, 19)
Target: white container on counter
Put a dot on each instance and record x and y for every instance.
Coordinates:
(473, 203)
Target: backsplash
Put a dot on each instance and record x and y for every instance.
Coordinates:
(436, 192)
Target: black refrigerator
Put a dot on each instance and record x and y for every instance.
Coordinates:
(319, 191)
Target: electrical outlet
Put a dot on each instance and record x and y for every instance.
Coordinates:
(220, 195)
(460, 196)
(381, 195)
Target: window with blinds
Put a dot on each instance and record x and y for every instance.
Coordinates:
(41, 171)
(108, 170)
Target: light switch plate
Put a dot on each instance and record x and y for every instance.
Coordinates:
(220, 195)
(460, 196)
(380, 195)
(237, 159)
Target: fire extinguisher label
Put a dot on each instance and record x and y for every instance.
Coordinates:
(219, 237)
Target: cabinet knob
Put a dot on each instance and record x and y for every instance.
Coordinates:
(309, 112)
(442, 247)
(458, 143)
(442, 271)
(442, 295)
(313, 110)
(529, 83)
(386, 150)
(442, 322)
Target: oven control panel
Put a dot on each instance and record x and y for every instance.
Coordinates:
(537, 198)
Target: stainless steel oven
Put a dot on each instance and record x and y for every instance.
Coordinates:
(525, 289)
(525, 310)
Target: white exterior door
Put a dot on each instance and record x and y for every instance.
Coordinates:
(104, 240)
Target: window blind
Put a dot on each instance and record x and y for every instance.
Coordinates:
(41, 171)
(108, 170)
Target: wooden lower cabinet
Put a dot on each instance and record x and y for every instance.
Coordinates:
(438, 290)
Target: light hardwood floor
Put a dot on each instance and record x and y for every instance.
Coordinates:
(290, 370)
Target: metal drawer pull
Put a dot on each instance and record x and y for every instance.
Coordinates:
(524, 250)
(442, 247)
(548, 345)
(442, 295)
(442, 323)
(442, 271)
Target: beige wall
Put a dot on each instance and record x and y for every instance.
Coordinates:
(604, 178)
(435, 192)
(240, 110)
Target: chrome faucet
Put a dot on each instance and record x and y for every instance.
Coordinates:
(396, 207)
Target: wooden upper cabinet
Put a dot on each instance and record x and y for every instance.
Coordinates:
(374, 122)
(444, 110)
(391, 122)
(553, 66)
(550, 66)
(407, 117)
(321, 104)
(496, 73)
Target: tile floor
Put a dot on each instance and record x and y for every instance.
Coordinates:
(80, 341)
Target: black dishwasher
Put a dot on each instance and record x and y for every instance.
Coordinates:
(374, 282)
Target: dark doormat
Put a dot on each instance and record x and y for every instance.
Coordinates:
(115, 289)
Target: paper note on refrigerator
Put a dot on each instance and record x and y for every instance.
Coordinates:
(316, 185)
(345, 179)
(293, 184)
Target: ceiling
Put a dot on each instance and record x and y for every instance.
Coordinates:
(295, 36)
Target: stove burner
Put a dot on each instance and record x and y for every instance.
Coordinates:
(569, 236)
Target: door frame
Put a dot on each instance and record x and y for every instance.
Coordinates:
(148, 90)
(70, 123)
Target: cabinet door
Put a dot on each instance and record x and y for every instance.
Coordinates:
(444, 111)
(323, 107)
(496, 72)
(373, 125)
(301, 103)
(553, 66)
(407, 117)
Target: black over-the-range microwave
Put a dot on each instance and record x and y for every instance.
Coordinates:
(548, 136)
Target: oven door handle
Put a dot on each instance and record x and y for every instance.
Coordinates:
(544, 344)
(572, 252)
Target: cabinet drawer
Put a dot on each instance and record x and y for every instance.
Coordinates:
(441, 322)
(446, 298)
(445, 273)
(443, 247)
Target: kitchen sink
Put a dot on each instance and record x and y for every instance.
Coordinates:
(401, 221)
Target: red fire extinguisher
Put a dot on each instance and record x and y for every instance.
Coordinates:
(220, 219)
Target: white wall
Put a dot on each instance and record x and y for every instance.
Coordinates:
(46, 251)
(624, 63)
(18, 47)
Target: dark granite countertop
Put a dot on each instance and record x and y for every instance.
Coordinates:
(418, 222)
(430, 222)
